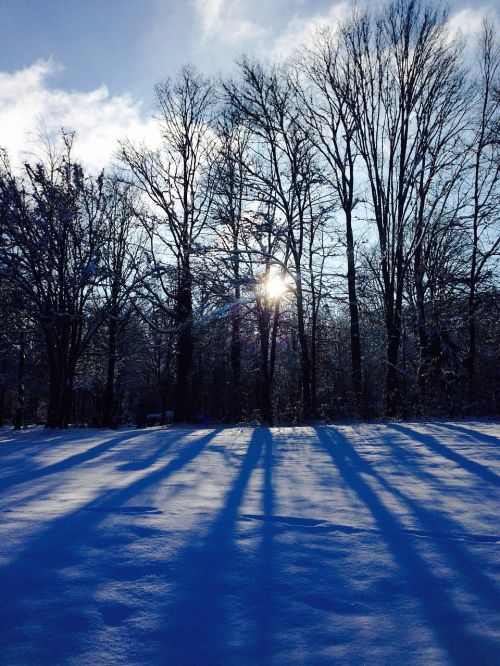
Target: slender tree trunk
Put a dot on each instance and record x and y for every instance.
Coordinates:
(391, 384)
(54, 405)
(67, 400)
(305, 360)
(471, 309)
(471, 355)
(67, 373)
(314, 367)
(357, 378)
(394, 331)
(265, 385)
(236, 359)
(314, 332)
(18, 420)
(108, 420)
(418, 276)
(423, 343)
(265, 377)
(183, 401)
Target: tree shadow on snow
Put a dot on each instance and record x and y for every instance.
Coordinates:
(210, 615)
(446, 452)
(42, 595)
(65, 464)
(447, 622)
(472, 433)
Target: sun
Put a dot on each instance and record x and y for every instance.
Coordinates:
(276, 286)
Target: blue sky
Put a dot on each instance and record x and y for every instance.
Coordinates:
(131, 44)
(92, 64)
(97, 41)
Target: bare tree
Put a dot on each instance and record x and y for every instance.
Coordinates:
(283, 172)
(175, 179)
(483, 230)
(400, 65)
(332, 123)
(122, 271)
(52, 252)
(230, 189)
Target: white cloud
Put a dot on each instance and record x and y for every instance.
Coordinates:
(27, 103)
(302, 29)
(227, 21)
(242, 26)
(209, 12)
(469, 20)
(467, 24)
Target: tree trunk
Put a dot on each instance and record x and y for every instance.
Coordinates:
(471, 355)
(61, 376)
(394, 329)
(314, 366)
(108, 420)
(391, 383)
(18, 420)
(423, 343)
(54, 406)
(471, 309)
(183, 401)
(305, 360)
(236, 360)
(67, 400)
(356, 376)
(266, 365)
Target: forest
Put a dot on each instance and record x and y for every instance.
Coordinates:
(314, 238)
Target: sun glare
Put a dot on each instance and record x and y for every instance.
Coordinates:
(276, 286)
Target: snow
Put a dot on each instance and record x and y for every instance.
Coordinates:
(350, 544)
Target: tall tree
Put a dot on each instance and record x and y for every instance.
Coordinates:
(122, 262)
(175, 177)
(399, 63)
(230, 197)
(332, 123)
(52, 252)
(282, 171)
(483, 228)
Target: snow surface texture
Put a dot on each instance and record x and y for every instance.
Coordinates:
(355, 544)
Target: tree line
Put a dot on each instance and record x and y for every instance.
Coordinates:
(313, 238)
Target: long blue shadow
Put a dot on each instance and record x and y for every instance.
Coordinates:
(197, 622)
(266, 607)
(146, 461)
(440, 449)
(471, 433)
(448, 533)
(448, 623)
(63, 465)
(33, 579)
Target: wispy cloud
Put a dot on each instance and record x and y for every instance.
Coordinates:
(228, 21)
(230, 27)
(28, 102)
(468, 21)
(302, 29)
(209, 12)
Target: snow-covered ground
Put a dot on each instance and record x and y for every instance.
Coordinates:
(355, 544)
